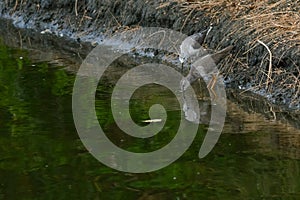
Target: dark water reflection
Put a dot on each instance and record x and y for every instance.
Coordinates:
(41, 156)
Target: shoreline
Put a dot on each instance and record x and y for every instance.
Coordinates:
(87, 24)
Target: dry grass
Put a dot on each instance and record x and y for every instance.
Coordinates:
(273, 24)
(279, 21)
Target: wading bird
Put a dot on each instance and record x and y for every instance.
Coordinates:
(191, 46)
(205, 66)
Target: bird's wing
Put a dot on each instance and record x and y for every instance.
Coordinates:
(218, 56)
(187, 47)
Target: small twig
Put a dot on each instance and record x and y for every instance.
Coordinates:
(295, 96)
(29, 41)
(21, 4)
(82, 18)
(115, 18)
(270, 63)
(76, 8)
(246, 52)
(160, 31)
(248, 89)
(163, 5)
(260, 71)
(16, 5)
(78, 54)
(162, 40)
(274, 114)
(98, 14)
(187, 17)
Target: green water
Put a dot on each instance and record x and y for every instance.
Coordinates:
(42, 157)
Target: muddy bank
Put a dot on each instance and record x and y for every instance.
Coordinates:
(44, 47)
(94, 21)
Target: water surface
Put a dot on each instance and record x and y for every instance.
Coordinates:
(42, 157)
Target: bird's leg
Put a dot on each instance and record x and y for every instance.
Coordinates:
(214, 80)
(211, 85)
(215, 96)
(181, 67)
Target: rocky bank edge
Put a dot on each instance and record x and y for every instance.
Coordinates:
(94, 20)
